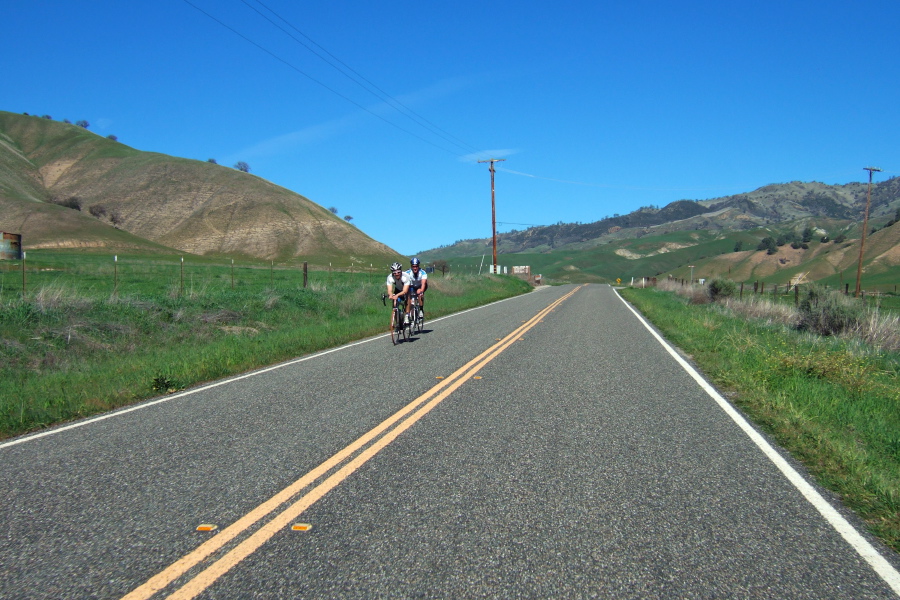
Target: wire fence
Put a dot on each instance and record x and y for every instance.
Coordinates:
(95, 276)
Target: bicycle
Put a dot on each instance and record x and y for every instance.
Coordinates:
(399, 328)
(416, 314)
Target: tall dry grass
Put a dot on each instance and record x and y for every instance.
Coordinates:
(878, 330)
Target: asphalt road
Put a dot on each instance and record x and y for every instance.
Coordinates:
(575, 458)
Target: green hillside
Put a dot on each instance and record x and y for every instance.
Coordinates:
(62, 186)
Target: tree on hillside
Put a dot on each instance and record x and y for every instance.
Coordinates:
(211, 160)
(333, 210)
(348, 218)
(768, 244)
(112, 137)
(807, 235)
(83, 124)
(67, 122)
(47, 117)
(242, 166)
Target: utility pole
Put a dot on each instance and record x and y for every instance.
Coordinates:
(862, 242)
(493, 207)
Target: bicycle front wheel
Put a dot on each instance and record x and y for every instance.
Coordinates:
(396, 326)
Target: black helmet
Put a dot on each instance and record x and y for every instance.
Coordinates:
(414, 262)
(396, 266)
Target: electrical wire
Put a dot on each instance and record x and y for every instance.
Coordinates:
(316, 81)
(361, 80)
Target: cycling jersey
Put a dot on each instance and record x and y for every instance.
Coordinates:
(398, 284)
(416, 282)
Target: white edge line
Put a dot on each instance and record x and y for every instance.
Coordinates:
(122, 411)
(834, 518)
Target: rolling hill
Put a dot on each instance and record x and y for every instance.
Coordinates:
(62, 186)
(717, 236)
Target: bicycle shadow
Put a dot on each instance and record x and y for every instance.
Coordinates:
(415, 336)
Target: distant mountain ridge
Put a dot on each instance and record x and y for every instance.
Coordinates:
(63, 186)
(777, 204)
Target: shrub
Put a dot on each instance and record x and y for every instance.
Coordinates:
(97, 210)
(828, 312)
(720, 288)
(72, 202)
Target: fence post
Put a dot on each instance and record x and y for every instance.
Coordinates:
(797, 295)
(741, 297)
(304, 273)
(23, 274)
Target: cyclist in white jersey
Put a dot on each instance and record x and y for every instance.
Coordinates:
(418, 281)
(398, 286)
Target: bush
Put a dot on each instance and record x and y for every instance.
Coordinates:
(828, 312)
(72, 202)
(719, 289)
(97, 210)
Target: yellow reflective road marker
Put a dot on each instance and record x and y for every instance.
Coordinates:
(345, 463)
(207, 527)
(301, 527)
(477, 377)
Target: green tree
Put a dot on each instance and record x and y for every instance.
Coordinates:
(807, 235)
(768, 244)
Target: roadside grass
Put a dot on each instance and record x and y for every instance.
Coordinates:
(71, 348)
(832, 402)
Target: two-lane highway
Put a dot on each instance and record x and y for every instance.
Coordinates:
(547, 445)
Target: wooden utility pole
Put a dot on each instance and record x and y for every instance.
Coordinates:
(862, 242)
(493, 207)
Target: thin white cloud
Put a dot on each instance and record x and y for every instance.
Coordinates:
(487, 154)
(322, 131)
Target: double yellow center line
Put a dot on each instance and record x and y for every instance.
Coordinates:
(359, 452)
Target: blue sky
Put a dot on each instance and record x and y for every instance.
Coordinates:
(597, 107)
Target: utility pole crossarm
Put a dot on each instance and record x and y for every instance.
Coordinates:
(493, 206)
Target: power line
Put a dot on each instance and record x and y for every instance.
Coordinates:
(314, 80)
(358, 79)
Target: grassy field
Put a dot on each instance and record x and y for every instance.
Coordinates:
(831, 401)
(86, 339)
